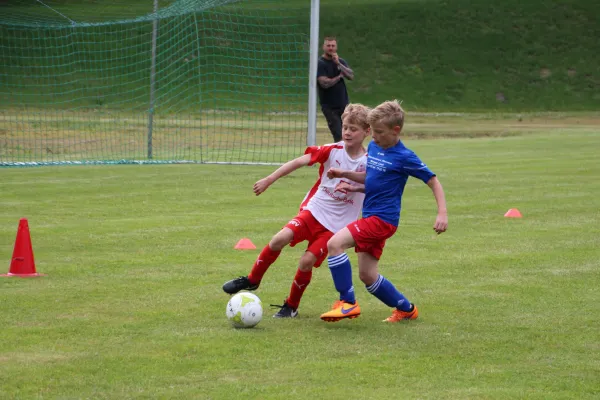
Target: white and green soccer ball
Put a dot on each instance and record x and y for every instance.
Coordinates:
(244, 310)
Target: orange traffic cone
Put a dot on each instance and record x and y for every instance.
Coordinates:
(513, 213)
(22, 264)
(245, 244)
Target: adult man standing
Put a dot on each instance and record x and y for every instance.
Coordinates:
(333, 95)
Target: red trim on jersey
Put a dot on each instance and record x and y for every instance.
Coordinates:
(313, 190)
(318, 154)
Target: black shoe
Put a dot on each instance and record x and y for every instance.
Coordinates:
(235, 285)
(285, 311)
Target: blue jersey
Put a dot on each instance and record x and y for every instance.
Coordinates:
(387, 173)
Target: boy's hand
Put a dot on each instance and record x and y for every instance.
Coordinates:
(344, 187)
(334, 173)
(441, 223)
(261, 186)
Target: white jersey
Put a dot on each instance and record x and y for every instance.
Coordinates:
(334, 209)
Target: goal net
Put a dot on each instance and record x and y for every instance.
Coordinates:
(116, 81)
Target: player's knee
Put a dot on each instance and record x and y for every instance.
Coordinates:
(278, 242)
(305, 266)
(306, 263)
(334, 248)
(368, 277)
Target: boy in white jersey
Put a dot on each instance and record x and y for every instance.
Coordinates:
(389, 165)
(324, 210)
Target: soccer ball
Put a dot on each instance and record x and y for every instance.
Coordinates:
(244, 310)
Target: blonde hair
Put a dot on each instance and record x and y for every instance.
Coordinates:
(390, 113)
(356, 113)
(329, 39)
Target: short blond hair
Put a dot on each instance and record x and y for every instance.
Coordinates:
(329, 39)
(390, 113)
(356, 113)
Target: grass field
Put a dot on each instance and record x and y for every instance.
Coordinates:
(135, 257)
(229, 137)
(112, 136)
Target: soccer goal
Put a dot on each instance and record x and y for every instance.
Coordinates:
(149, 81)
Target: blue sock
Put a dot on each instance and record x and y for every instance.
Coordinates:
(341, 272)
(385, 291)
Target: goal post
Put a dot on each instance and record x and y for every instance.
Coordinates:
(201, 81)
(311, 139)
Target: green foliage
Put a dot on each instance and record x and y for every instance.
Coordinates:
(433, 54)
(470, 55)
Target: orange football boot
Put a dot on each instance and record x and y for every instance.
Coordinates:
(398, 315)
(341, 310)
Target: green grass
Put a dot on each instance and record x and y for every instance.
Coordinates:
(458, 55)
(131, 306)
(433, 54)
(228, 137)
(39, 136)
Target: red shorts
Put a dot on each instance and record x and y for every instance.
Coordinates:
(370, 235)
(306, 227)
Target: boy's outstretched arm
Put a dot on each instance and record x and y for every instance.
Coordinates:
(284, 170)
(358, 177)
(441, 221)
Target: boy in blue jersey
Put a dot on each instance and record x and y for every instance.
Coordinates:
(389, 164)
